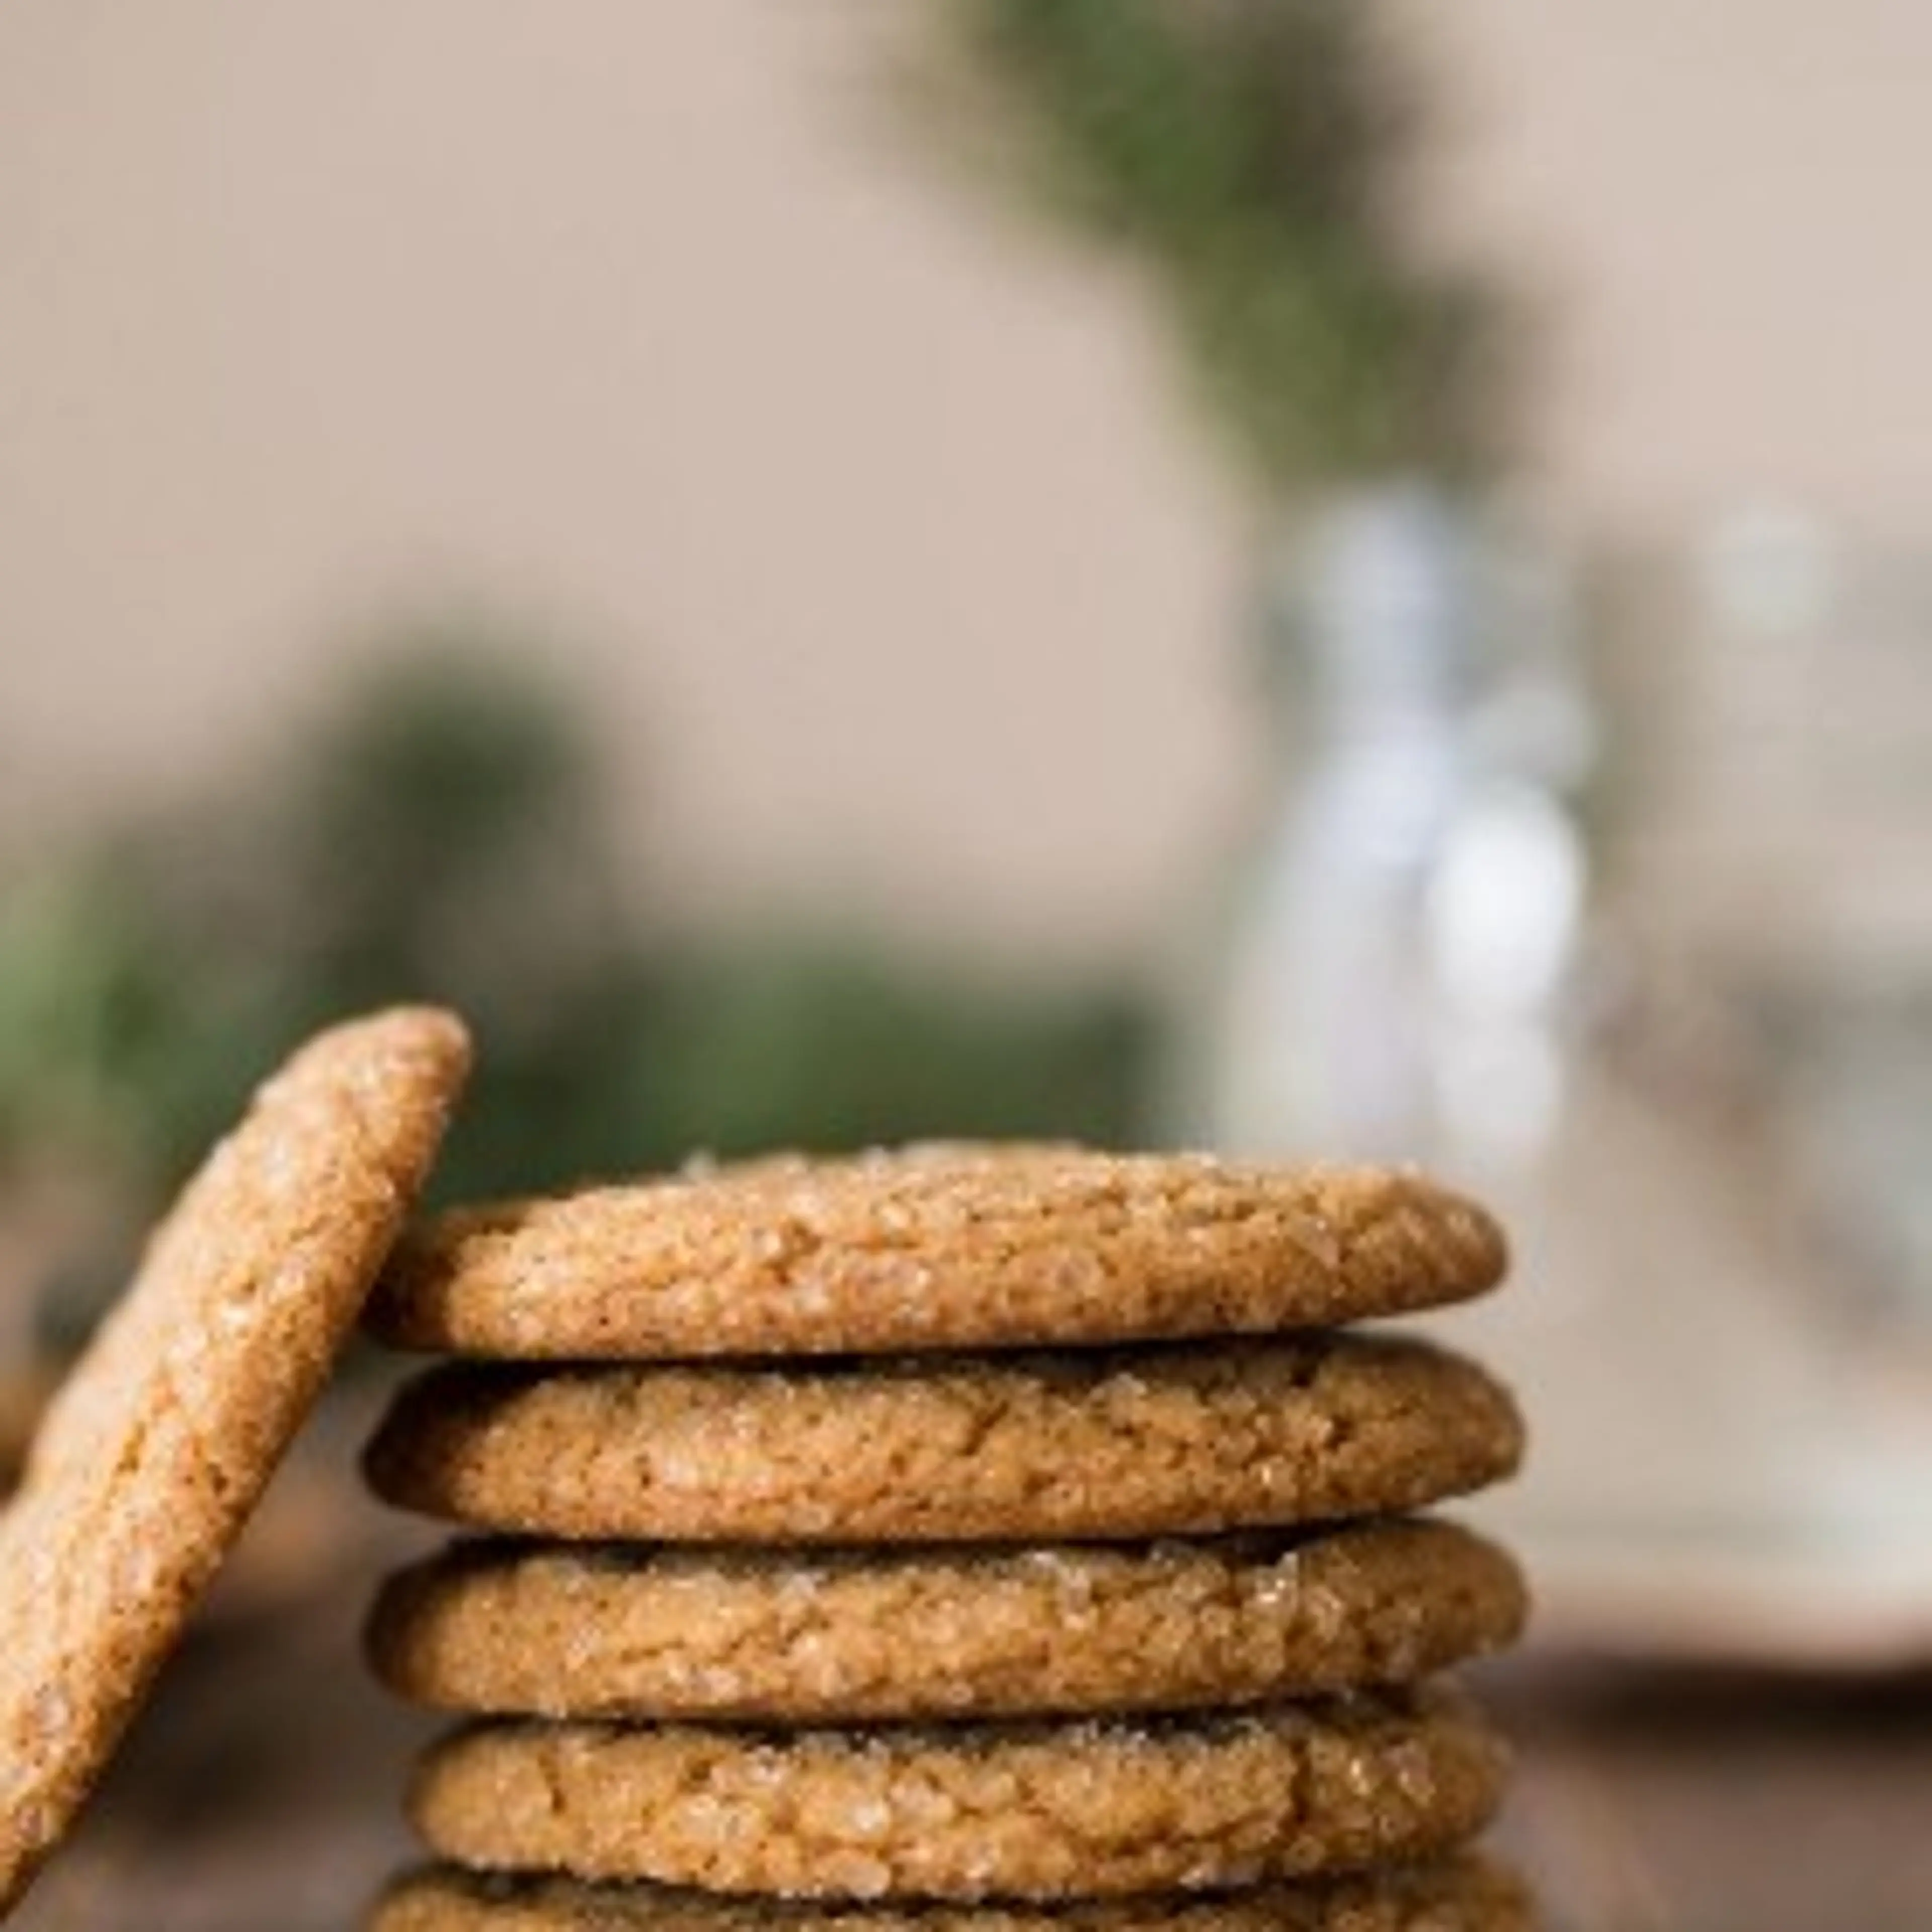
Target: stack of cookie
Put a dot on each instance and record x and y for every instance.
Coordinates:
(1021, 1527)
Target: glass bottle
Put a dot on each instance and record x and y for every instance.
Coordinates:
(1407, 916)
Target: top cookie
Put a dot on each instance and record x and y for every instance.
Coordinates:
(952, 1246)
(155, 1449)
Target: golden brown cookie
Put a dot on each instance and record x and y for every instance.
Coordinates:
(952, 1246)
(156, 1448)
(1183, 1438)
(970, 1812)
(1467, 1893)
(624, 1632)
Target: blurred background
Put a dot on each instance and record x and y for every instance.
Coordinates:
(1283, 576)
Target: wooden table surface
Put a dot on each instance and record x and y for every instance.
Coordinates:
(1664, 1801)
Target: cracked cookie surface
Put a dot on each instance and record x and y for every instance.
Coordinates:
(155, 1448)
(1461, 1894)
(627, 1632)
(1093, 1809)
(952, 1245)
(1174, 1439)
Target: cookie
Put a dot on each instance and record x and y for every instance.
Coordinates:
(620, 1632)
(155, 1448)
(1178, 1439)
(970, 1812)
(952, 1246)
(1461, 1894)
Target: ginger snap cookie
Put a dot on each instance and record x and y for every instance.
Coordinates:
(1179, 1438)
(1025, 1811)
(947, 1246)
(1462, 1894)
(154, 1449)
(630, 1633)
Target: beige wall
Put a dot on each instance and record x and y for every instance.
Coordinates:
(878, 528)
(1724, 205)
(874, 537)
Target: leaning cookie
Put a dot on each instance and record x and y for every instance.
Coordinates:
(1466, 1893)
(625, 1632)
(153, 1451)
(1180, 1439)
(971, 1812)
(953, 1246)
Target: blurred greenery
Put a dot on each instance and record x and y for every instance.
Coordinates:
(1257, 156)
(441, 832)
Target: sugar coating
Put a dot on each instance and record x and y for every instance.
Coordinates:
(615, 1633)
(1174, 1439)
(1093, 1809)
(954, 1247)
(154, 1449)
(1461, 1895)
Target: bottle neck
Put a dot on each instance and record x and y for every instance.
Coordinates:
(1371, 611)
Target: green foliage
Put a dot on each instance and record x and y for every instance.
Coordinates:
(823, 1044)
(1255, 155)
(87, 1011)
(435, 836)
(440, 834)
